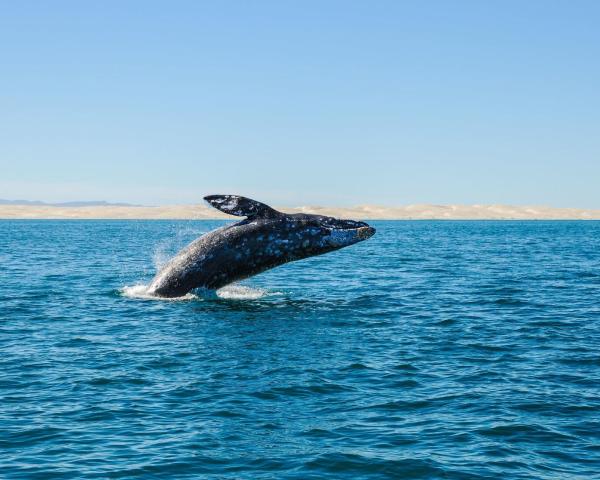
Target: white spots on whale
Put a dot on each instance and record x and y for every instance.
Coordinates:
(246, 248)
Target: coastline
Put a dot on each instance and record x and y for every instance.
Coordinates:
(364, 212)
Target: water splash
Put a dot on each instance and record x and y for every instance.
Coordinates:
(242, 292)
(141, 292)
(166, 248)
(161, 255)
(229, 292)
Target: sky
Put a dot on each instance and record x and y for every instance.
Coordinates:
(301, 102)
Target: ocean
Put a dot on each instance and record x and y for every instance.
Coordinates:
(436, 349)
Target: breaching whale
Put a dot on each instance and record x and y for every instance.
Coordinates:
(265, 239)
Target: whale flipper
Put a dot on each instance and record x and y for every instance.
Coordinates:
(241, 206)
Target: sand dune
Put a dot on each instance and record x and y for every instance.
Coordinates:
(373, 212)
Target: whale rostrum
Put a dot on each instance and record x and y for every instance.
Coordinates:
(265, 239)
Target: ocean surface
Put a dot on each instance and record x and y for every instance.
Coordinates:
(436, 349)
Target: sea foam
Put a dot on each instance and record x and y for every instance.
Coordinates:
(229, 292)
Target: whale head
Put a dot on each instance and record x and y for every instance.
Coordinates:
(319, 234)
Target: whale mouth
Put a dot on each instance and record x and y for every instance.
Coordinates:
(365, 232)
(344, 235)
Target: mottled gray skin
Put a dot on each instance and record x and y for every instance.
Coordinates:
(264, 240)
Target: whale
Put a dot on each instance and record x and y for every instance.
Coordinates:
(264, 239)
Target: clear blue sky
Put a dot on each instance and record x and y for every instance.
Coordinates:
(334, 102)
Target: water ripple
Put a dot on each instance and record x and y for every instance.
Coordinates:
(454, 350)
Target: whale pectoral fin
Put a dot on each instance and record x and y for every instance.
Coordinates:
(241, 206)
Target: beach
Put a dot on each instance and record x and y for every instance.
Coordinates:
(366, 212)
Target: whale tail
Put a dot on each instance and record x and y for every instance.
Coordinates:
(241, 206)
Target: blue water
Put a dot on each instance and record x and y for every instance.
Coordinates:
(455, 350)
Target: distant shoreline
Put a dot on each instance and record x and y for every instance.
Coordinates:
(365, 212)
